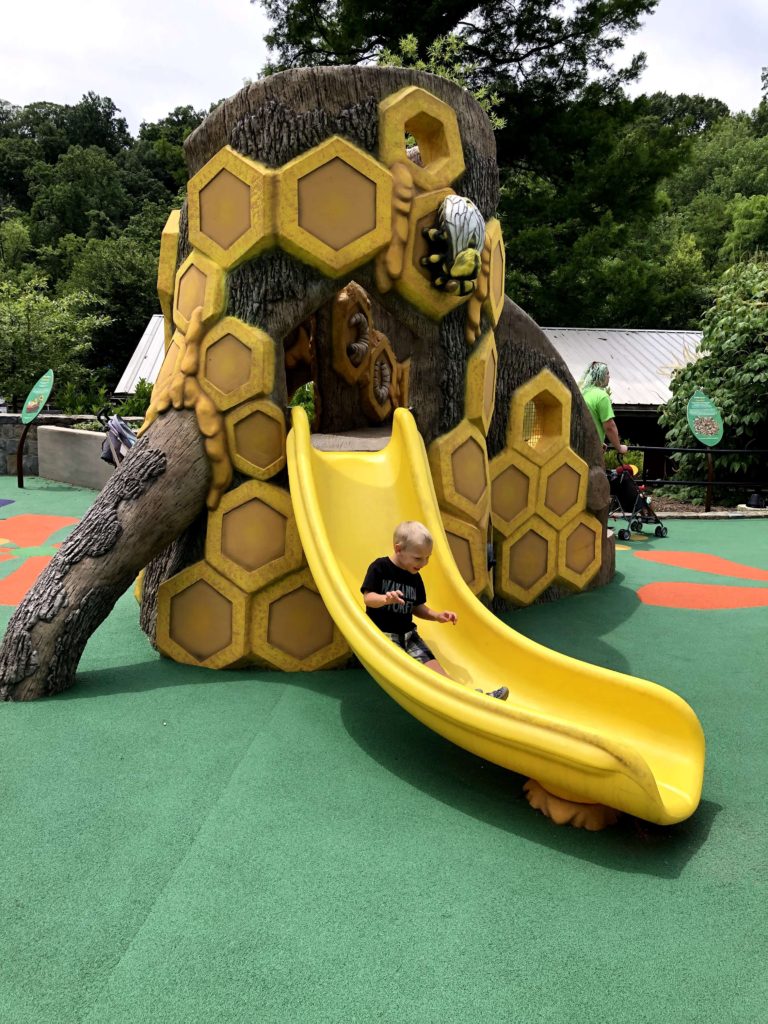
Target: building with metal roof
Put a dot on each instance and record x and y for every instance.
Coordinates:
(147, 359)
(641, 361)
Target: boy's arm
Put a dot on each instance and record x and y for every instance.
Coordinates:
(423, 611)
(374, 600)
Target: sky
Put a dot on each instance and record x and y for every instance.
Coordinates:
(150, 56)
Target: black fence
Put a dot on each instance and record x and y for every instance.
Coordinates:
(709, 483)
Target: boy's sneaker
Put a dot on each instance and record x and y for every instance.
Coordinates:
(501, 694)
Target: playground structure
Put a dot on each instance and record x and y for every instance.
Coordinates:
(304, 258)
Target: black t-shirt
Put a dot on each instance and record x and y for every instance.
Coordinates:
(382, 576)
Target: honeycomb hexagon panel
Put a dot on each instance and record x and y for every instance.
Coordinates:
(291, 628)
(201, 618)
(252, 537)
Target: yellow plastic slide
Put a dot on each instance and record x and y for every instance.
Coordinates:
(583, 732)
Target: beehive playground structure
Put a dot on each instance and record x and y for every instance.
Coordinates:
(301, 259)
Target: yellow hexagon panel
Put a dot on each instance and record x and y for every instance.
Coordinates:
(202, 618)
(237, 362)
(230, 203)
(514, 488)
(434, 125)
(540, 418)
(252, 537)
(528, 562)
(414, 282)
(170, 364)
(468, 547)
(563, 488)
(459, 464)
(256, 438)
(480, 393)
(497, 271)
(334, 207)
(199, 282)
(291, 628)
(166, 271)
(579, 553)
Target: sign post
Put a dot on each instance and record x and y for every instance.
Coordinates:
(33, 406)
(706, 425)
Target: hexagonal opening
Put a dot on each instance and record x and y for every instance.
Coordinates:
(509, 493)
(337, 203)
(581, 548)
(253, 534)
(429, 135)
(228, 364)
(562, 490)
(200, 620)
(225, 208)
(299, 623)
(259, 439)
(528, 559)
(542, 421)
(191, 291)
(469, 475)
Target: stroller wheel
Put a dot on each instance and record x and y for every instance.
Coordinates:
(636, 526)
(660, 531)
(624, 535)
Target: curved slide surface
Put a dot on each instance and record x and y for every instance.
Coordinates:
(584, 732)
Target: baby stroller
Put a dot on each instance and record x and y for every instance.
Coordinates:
(630, 503)
(119, 440)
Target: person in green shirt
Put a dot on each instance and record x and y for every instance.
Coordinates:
(594, 389)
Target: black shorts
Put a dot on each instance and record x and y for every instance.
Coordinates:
(413, 645)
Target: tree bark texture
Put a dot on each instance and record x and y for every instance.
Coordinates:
(155, 493)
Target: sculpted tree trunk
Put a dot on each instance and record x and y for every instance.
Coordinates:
(155, 493)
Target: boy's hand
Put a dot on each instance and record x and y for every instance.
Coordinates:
(394, 597)
(451, 617)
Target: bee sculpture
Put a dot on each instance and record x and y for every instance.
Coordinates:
(455, 245)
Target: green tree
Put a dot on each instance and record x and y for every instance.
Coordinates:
(446, 57)
(82, 193)
(122, 273)
(38, 331)
(15, 244)
(732, 370)
(160, 145)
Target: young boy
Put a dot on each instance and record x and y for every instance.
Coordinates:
(394, 592)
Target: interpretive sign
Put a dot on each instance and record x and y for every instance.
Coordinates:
(32, 408)
(37, 398)
(704, 419)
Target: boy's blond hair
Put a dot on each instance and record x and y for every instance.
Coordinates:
(412, 534)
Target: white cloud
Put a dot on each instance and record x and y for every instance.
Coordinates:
(707, 47)
(148, 57)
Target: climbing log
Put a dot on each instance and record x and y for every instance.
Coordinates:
(155, 493)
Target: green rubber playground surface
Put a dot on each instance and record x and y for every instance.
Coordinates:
(184, 846)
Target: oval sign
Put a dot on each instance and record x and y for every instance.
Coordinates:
(37, 398)
(704, 419)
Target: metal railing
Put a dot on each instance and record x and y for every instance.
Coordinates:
(710, 482)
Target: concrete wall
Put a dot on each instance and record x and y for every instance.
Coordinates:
(72, 457)
(11, 428)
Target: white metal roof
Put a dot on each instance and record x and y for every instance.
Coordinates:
(641, 361)
(147, 359)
